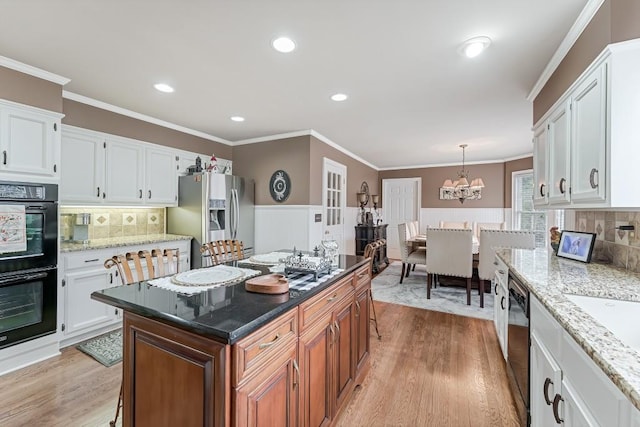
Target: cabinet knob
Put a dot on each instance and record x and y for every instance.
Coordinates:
(562, 185)
(495, 288)
(542, 190)
(502, 303)
(4, 157)
(140, 195)
(149, 193)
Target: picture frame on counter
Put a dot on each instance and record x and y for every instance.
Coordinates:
(576, 245)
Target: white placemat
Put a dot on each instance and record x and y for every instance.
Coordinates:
(271, 258)
(166, 283)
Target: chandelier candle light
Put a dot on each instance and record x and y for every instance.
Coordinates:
(461, 189)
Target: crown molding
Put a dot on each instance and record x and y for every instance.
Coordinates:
(308, 132)
(458, 164)
(576, 29)
(123, 111)
(32, 71)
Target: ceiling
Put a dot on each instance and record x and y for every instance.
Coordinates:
(412, 97)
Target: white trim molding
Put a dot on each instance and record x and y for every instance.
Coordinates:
(309, 132)
(33, 71)
(123, 111)
(576, 29)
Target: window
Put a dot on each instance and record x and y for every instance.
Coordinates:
(524, 214)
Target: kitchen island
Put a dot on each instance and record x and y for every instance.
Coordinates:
(230, 357)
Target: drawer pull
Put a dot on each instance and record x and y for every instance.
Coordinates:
(333, 298)
(542, 190)
(592, 177)
(495, 262)
(502, 303)
(361, 275)
(562, 185)
(495, 288)
(91, 260)
(556, 404)
(501, 271)
(545, 390)
(264, 345)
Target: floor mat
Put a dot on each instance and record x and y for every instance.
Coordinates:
(106, 348)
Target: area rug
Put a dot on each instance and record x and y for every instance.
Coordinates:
(105, 348)
(386, 287)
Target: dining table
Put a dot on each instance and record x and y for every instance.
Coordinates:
(421, 240)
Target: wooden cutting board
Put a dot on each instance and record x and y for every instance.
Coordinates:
(268, 284)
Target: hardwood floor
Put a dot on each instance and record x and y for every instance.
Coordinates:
(430, 369)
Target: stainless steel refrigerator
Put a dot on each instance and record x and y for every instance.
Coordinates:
(211, 207)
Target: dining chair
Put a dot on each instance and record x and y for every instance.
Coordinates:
(492, 239)
(449, 253)
(370, 252)
(408, 255)
(477, 226)
(221, 251)
(454, 224)
(147, 265)
(413, 228)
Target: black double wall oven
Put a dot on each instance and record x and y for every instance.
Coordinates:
(28, 261)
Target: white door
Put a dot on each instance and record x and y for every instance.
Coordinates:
(124, 174)
(334, 183)
(559, 155)
(400, 203)
(540, 166)
(82, 171)
(545, 381)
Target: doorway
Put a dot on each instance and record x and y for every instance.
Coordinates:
(334, 183)
(401, 200)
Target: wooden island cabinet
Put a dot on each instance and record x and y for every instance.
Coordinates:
(297, 369)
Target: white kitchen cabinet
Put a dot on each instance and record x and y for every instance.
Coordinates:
(500, 304)
(106, 169)
(598, 114)
(559, 139)
(566, 386)
(588, 154)
(124, 172)
(161, 176)
(82, 167)
(540, 148)
(83, 273)
(29, 142)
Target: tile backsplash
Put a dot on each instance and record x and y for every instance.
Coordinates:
(114, 222)
(619, 247)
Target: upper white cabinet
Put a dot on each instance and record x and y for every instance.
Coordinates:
(29, 142)
(160, 176)
(102, 168)
(585, 145)
(124, 178)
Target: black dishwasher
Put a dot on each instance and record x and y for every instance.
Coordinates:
(518, 345)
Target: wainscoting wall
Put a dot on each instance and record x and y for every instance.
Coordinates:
(283, 227)
(431, 217)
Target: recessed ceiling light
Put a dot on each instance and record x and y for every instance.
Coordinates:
(163, 87)
(339, 97)
(283, 44)
(237, 119)
(475, 46)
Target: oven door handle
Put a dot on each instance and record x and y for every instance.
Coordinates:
(36, 208)
(23, 278)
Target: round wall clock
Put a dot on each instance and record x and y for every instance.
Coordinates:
(280, 186)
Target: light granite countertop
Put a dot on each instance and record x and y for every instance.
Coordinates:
(114, 242)
(549, 278)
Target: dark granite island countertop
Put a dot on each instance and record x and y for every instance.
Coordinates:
(225, 314)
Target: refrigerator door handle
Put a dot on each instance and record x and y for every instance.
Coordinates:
(234, 213)
(237, 213)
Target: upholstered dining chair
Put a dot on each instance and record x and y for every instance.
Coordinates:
(454, 224)
(146, 265)
(413, 228)
(492, 239)
(477, 226)
(408, 255)
(370, 252)
(221, 251)
(449, 253)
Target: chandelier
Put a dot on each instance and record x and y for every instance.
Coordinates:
(461, 189)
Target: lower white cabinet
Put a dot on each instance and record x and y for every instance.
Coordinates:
(83, 273)
(566, 386)
(501, 304)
